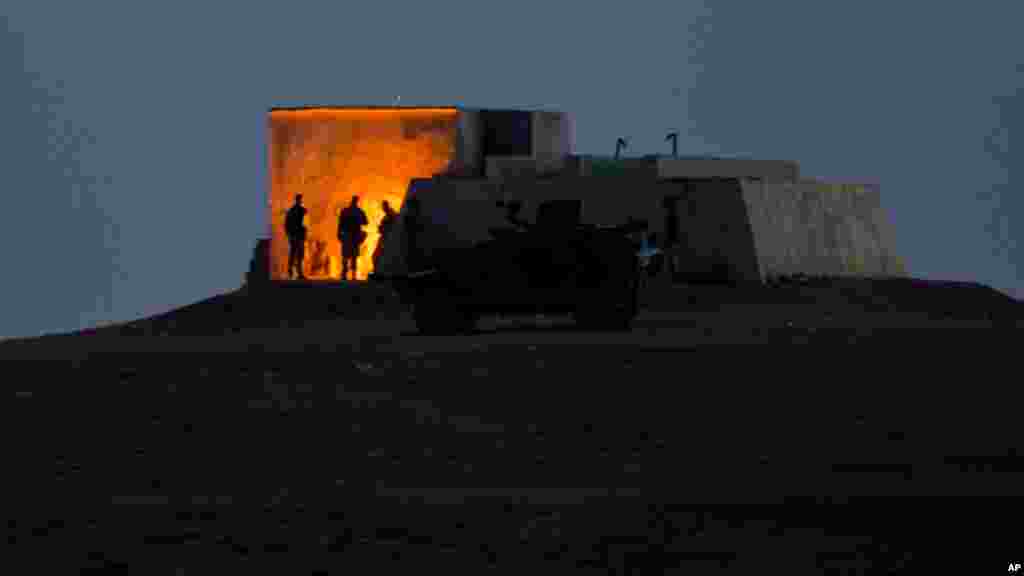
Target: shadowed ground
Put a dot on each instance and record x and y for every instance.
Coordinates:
(329, 434)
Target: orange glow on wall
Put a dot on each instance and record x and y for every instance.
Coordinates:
(331, 154)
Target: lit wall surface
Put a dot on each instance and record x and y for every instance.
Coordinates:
(331, 154)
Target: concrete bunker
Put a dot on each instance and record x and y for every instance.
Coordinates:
(718, 220)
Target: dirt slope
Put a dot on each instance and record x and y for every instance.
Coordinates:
(311, 432)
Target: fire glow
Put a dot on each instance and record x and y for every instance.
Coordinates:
(329, 155)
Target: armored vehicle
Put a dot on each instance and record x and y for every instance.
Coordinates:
(553, 266)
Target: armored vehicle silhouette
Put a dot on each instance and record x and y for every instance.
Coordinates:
(556, 265)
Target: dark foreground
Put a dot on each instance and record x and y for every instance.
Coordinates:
(788, 431)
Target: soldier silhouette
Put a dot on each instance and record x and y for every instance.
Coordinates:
(294, 227)
(351, 235)
(384, 228)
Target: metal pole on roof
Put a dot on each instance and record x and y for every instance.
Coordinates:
(619, 145)
(674, 137)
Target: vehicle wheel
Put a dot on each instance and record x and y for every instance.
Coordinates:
(469, 323)
(613, 304)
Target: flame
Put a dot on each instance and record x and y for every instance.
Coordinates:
(330, 154)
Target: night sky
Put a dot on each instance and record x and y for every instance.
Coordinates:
(133, 148)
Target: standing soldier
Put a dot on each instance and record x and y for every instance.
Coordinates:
(384, 228)
(294, 227)
(351, 235)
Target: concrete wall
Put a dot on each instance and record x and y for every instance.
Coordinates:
(468, 150)
(569, 134)
(716, 242)
(550, 140)
(818, 228)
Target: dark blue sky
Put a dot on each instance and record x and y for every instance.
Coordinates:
(133, 137)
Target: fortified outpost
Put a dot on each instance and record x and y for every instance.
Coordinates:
(718, 220)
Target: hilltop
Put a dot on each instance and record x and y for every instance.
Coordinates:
(306, 427)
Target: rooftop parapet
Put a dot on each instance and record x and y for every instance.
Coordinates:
(695, 167)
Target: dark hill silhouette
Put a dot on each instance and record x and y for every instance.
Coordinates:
(276, 428)
(290, 305)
